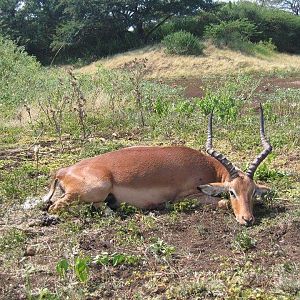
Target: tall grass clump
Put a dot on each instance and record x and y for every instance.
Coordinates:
(183, 43)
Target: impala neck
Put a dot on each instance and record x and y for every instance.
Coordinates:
(221, 173)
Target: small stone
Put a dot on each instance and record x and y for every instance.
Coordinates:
(30, 251)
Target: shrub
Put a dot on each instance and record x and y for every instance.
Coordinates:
(183, 43)
(230, 33)
(280, 26)
(18, 74)
(243, 241)
(192, 24)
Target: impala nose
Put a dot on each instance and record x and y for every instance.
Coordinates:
(248, 222)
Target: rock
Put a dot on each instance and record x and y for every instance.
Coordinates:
(33, 223)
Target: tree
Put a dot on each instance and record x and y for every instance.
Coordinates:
(98, 27)
(289, 5)
(97, 22)
(31, 23)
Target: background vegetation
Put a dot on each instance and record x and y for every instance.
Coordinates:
(63, 30)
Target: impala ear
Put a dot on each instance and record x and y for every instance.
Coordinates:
(261, 190)
(212, 189)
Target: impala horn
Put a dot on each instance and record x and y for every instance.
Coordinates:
(267, 147)
(218, 156)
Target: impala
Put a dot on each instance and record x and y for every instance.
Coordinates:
(149, 176)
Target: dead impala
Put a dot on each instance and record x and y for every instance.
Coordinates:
(149, 176)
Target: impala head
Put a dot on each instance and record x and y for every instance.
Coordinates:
(241, 187)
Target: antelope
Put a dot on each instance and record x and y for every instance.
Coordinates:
(147, 177)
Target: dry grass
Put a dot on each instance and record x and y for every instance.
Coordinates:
(214, 61)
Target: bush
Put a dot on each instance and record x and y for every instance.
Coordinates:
(280, 26)
(17, 74)
(183, 43)
(230, 33)
(192, 24)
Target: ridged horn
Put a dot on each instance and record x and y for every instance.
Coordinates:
(219, 156)
(267, 147)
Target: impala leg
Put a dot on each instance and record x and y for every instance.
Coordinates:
(215, 202)
(61, 203)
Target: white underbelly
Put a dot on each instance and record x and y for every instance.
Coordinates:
(143, 197)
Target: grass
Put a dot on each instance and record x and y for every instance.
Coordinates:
(185, 251)
(164, 66)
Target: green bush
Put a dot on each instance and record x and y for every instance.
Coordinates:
(230, 33)
(182, 43)
(280, 26)
(192, 24)
(18, 74)
(237, 35)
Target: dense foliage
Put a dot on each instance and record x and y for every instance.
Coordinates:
(93, 27)
(90, 29)
(18, 73)
(280, 26)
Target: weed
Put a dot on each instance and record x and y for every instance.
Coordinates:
(243, 241)
(226, 101)
(160, 249)
(126, 210)
(264, 173)
(81, 268)
(116, 259)
(45, 294)
(196, 290)
(129, 234)
(288, 279)
(183, 206)
(137, 70)
(62, 267)
(80, 103)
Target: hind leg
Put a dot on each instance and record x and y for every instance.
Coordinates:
(62, 203)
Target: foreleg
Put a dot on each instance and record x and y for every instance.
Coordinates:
(215, 202)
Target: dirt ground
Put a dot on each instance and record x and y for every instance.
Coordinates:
(203, 239)
(194, 87)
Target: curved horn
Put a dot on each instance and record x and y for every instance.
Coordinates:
(267, 147)
(218, 156)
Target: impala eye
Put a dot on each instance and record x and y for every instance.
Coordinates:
(232, 194)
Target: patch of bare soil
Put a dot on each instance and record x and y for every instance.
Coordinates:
(194, 87)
